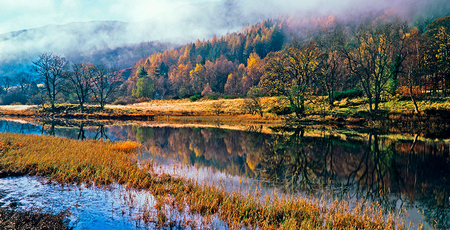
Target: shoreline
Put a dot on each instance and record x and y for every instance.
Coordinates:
(427, 122)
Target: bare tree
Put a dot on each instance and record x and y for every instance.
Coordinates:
(22, 79)
(81, 79)
(52, 69)
(6, 83)
(105, 83)
(331, 61)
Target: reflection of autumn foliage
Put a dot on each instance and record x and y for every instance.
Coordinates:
(234, 152)
(377, 168)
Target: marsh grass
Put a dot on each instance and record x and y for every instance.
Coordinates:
(102, 163)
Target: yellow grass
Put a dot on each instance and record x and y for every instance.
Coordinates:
(203, 106)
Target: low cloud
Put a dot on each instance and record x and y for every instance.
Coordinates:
(111, 24)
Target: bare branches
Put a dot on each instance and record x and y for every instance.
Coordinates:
(52, 68)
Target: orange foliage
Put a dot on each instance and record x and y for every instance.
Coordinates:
(404, 90)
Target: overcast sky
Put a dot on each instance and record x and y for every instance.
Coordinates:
(25, 14)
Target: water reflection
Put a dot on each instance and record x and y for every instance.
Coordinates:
(410, 174)
(399, 173)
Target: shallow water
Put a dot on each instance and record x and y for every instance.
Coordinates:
(399, 172)
(90, 208)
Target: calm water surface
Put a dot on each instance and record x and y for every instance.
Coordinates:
(399, 172)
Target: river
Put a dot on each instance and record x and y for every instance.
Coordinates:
(401, 172)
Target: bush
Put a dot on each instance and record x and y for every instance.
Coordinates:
(213, 96)
(195, 97)
(350, 93)
(230, 97)
(278, 110)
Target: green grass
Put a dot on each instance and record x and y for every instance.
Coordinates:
(102, 162)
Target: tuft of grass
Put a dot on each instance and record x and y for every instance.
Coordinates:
(103, 162)
(126, 146)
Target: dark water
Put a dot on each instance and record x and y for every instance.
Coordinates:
(409, 173)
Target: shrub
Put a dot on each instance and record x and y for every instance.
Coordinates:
(195, 97)
(217, 107)
(350, 93)
(213, 96)
(278, 110)
(230, 97)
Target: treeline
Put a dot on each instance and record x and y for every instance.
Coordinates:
(379, 58)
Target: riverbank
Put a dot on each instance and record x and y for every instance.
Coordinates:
(222, 111)
(102, 163)
(395, 115)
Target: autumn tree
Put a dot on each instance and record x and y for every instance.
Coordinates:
(253, 71)
(374, 55)
(222, 68)
(233, 85)
(288, 73)
(180, 80)
(197, 79)
(207, 90)
(52, 68)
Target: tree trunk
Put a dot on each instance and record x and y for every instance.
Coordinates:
(416, 108)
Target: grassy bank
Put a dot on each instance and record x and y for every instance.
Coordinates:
(228, 111)
(100, 162)
(345, 110)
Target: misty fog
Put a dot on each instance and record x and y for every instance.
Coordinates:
(177, 22)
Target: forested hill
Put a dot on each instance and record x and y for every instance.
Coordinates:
(378, 56)
(186, 70)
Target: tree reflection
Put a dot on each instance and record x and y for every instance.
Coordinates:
(101, 132)
(380, 170)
